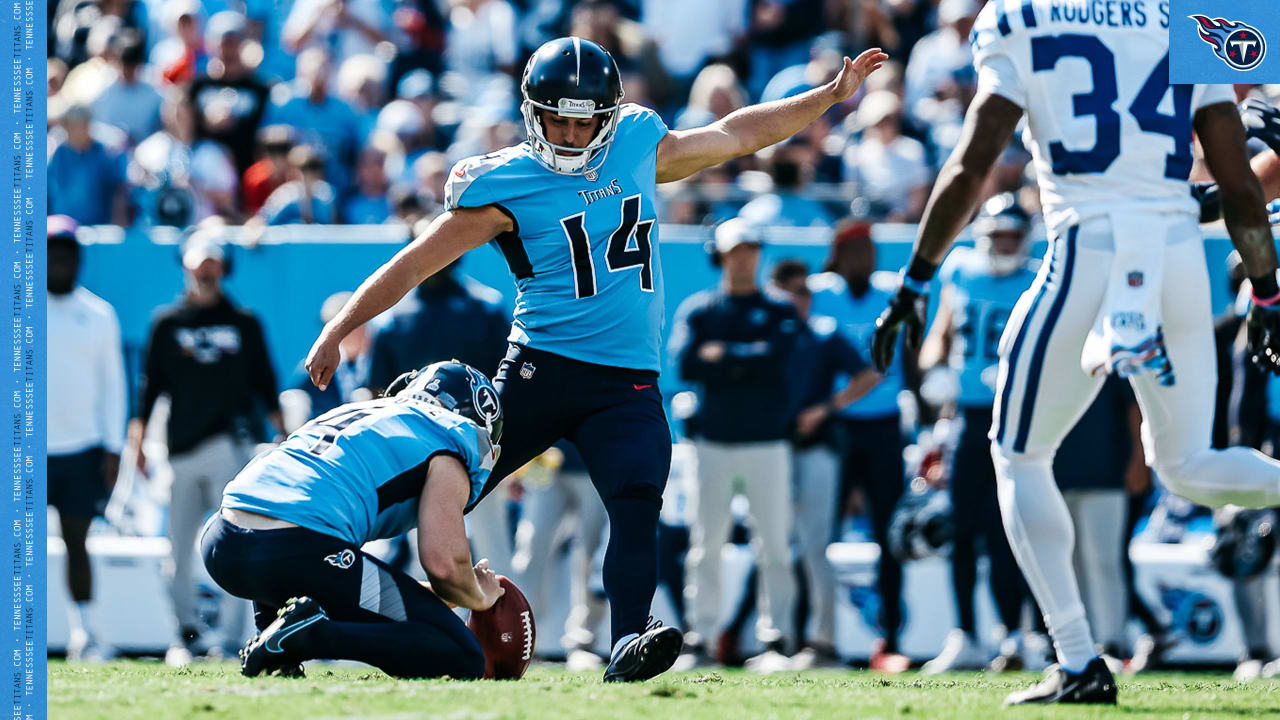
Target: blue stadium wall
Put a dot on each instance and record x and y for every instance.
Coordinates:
(286, 277)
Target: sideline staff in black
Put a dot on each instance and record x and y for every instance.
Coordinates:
(735, 343)
(210, 358)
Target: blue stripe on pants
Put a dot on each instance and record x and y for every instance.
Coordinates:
(1007, 388)
(1042, 342)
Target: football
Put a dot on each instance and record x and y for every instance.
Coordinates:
(506, 633)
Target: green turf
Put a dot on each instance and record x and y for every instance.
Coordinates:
(151, 691)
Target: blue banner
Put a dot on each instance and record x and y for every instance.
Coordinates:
(24, 391)
(1216, 42)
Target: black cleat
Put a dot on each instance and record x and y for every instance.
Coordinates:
(1094, 685)
(266, 652)
(652, 652)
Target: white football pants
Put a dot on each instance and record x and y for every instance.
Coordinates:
(1042, 392)
(199, 476)
(764, 471)
(817, 490)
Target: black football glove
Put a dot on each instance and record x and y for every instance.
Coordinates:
(1261, 121)
(907, 307)
(1264, 337)
(1206, 193)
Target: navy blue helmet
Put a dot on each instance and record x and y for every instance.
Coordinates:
(921, 525)
(573, 78)
(456, 387)
(1002, 214)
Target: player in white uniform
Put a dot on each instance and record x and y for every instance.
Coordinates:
(1112, 145)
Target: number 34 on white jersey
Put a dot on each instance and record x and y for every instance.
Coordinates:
(1106, 130)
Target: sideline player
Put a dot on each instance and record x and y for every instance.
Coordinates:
(572, 211)
(289, 532)
(979, 289)
(1125, 270)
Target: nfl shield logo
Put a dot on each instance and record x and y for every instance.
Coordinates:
(526, 371)
(1135, 279)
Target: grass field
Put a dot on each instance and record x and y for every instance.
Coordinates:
(151, 691)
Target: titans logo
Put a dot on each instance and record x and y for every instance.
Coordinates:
(1239, 45)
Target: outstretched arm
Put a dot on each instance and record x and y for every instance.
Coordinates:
(742, 132)
(988, 126)
(449, 236)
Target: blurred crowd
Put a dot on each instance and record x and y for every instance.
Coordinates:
(352, 111)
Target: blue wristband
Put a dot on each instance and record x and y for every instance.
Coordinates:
(916, 286)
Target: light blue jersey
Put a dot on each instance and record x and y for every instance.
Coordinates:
(857, 319)
(357, 472)
(981, 303)
(584, 253)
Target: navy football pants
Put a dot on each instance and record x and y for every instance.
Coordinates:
(871, 456)
(615, 418)
(976, 514)
(377, 615)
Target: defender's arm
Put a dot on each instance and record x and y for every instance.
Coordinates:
(988, 126)
(684, 152)
(449, 236)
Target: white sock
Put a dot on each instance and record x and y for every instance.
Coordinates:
(1074, 644)
(1041, 536)
(622, 642)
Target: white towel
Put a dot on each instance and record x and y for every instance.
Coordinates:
(1127, 338)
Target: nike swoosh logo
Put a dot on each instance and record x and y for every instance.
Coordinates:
(640, 387)
(273, 642)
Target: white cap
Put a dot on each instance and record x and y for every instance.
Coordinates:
(877, 106)
(401, 117)
(734, 232)
(200, 248)
(334, 304)
(950, 11)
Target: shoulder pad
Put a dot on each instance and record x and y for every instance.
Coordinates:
(468, 171)
(991, 26)
(642, 121)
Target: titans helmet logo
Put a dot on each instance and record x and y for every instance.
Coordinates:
(1239, 45)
